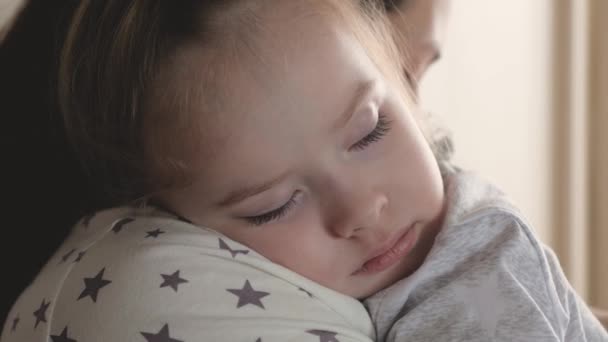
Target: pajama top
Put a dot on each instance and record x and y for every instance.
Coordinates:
(486, 278)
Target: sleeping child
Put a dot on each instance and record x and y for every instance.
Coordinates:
(273, 180)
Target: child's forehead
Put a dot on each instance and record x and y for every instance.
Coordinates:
(303, 72)
(281, 69)
(287, 84)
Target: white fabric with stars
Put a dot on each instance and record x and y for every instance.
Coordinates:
(142, 275)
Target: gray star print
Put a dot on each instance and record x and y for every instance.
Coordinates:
(308, 293)
(161, 336)
(67, 256)
(92, 286)
(87, 219)
(40, 314)
(485, 300)
(63, 337)
(154, 233)
(324, 335)
(118, 225)
(247, 295)
(80, 255)
(224, 245)
(172, 280)
(15, 322)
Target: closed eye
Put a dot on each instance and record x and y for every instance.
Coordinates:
(274, 214)
(382, 128)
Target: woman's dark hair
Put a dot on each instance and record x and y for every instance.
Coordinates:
(46, 191)
(391, 5)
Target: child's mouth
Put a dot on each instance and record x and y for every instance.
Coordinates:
(402, 247)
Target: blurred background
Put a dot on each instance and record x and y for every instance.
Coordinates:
(522, 84)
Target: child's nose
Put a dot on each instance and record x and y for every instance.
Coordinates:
(359, 214)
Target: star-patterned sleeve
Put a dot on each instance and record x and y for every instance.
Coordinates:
(157, 279)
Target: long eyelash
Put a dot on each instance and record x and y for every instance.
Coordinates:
(381, 129)
(272, 215)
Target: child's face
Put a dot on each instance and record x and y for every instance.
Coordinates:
(318, 165)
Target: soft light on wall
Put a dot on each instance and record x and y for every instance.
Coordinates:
(523, 85)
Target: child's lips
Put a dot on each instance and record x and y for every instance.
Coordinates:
(391, 253)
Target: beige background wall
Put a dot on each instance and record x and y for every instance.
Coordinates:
(491, 88)
(524, 87)
(598, 109)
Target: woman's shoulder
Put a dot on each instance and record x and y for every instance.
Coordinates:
(127, 273)
(107, 259)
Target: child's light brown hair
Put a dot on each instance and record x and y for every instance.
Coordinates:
(126, 112)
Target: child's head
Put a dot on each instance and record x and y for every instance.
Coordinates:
(284, 125)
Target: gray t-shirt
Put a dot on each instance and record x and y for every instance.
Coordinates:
(487, 278)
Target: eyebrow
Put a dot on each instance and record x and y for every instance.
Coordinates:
(364, 89)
